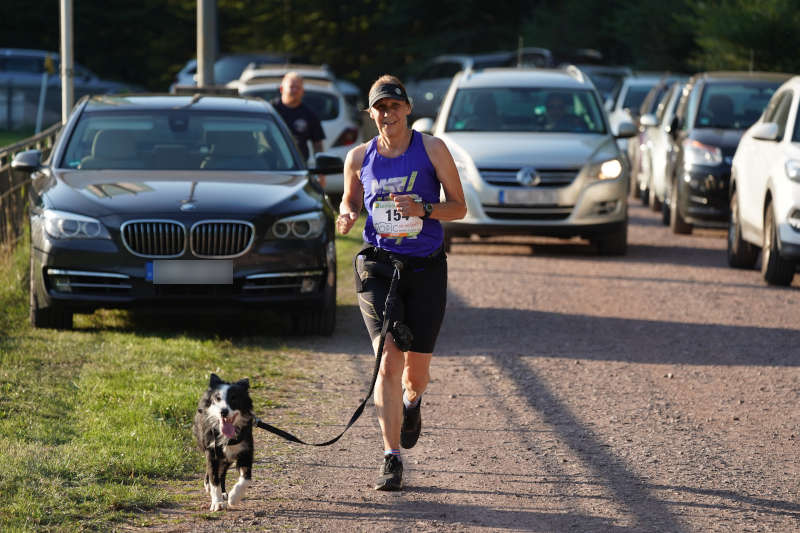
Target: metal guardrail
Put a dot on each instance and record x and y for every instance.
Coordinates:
(13, 187)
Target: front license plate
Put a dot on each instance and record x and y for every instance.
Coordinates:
(191, 272)
(528, 197)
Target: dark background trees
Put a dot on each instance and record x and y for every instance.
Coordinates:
(146, 41)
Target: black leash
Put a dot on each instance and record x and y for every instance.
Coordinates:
(387, 313)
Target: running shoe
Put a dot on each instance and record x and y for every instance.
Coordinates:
(391, 477)
(412, 425)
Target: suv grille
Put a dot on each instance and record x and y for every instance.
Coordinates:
(221, 238)
(505, 177)
(154, 238)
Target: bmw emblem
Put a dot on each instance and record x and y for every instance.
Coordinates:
(188, 206)
(528, 177)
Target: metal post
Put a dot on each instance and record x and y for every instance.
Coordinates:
(67, 94)
(206, 39)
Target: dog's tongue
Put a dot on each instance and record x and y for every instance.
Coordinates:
(228, 429)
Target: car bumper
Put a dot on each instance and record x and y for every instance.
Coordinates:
(584, 208)
(703, 195)
(83, 276)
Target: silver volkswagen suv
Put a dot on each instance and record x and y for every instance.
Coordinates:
(535, 155)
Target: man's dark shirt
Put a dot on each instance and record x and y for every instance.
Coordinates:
(302, 122)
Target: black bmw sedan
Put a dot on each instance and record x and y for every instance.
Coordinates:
(179, 202)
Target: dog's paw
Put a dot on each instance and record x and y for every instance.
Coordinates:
(237, 492)
(217, 506)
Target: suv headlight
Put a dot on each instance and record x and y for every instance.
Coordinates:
(606, 170)
(64, 225)
(697, 153)
(793, 169)
(303, 226)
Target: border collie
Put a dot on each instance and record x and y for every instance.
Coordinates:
(223, 427)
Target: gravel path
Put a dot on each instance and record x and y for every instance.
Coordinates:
(655, 392)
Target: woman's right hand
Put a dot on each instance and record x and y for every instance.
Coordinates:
(345, 221)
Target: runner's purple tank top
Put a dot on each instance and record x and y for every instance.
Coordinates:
(410, 173)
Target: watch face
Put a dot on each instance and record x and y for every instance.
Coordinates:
(428, 208)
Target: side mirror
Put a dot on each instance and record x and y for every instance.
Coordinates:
(327, 164)
(27, 161)
(424, 125)
(625, 130)
(648, 120)
(766, 131)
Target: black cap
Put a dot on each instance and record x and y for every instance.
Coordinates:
(387, 90)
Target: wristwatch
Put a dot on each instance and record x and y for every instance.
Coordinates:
(428, 207)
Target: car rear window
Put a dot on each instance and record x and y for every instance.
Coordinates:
(526, 109)
(178, 140)
(733, 105)
(325, 105)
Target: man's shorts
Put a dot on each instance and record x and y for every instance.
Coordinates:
(421, 296)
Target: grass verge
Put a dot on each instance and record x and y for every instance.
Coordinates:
(95, 423)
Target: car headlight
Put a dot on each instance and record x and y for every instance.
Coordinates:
(303, 226)
(606, 170)
(697, 153)
(64, 225)
(793, 169)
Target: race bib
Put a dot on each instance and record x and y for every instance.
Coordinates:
(389, 222)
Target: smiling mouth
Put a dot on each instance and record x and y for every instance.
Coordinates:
(228, 429)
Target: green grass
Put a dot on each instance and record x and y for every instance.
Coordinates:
(95, 423)
(8, 138)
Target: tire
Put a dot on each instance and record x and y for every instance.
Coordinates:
(645, 194)
(615, 243)
(775, 269)
(665, 212)
(655, 203)
(741, 254)
(321, 321)
(676, 221)
(51, 317)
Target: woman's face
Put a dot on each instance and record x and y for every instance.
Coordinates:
(390, 115)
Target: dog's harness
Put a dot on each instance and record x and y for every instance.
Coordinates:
(383, 269)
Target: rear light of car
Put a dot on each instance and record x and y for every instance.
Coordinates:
(347, 137)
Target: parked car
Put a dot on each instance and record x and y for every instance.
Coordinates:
(714, 111)
(658, 156)
(21, 74)
(427, 89)
(625, 105)
(535, 155)
(765, 190)
(179, 203)
(323, 96)
(229, 67)
(639, 147)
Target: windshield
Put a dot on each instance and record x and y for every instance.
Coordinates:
(324, 105)
(734, 105)
(529, 109)
(178, 140)
(635, 96)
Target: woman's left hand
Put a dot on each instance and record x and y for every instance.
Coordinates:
(407, 205)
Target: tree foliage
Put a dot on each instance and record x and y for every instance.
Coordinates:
(146, 41)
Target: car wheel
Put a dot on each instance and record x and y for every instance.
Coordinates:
(655, 203)
(51, 317)
(320, 321)
(615, 243)
(741, 254)
(665, 214)
(676, 220)
(775, 269)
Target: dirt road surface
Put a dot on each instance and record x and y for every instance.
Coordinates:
(655, 392)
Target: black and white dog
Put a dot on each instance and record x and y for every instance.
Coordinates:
(223, 427)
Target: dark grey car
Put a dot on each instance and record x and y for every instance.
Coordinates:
(183, 203)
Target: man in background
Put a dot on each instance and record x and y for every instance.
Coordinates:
(301, 119)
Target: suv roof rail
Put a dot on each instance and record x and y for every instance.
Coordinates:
(575, 72)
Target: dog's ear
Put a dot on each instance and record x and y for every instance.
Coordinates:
(214, 381)
(244, 383)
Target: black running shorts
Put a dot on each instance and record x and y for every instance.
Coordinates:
(420, 302)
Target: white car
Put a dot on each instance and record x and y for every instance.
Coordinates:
(765, 190)
(323, 96)
(656, 150)
(629, 98)
(535, 156)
